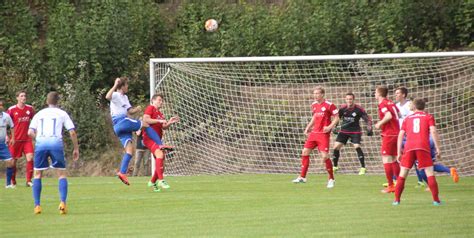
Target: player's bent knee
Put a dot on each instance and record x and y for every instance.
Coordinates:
(429, 171)
(159, 153)
(324, 155)
(29, 157)
(38, 174)
(306, 151)
(404, 172)
(388, 159)
(129, 148)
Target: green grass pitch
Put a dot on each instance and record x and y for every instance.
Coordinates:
(240, 206)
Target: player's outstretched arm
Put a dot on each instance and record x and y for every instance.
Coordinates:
(75, 152)
(134, 110)
(147, 118)
(108, 96)
(170, 122)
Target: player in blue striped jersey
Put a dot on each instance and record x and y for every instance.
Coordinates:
(5, 123)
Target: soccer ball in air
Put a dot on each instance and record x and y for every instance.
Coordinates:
(211, 25)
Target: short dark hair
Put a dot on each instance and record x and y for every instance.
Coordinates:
(20, 92)
(382, 90)
(419, 103)
(52, 98)
(351, 94)
(403, 90)
(123, 82)
(157, 95)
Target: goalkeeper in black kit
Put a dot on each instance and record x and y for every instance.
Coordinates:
(350, 115)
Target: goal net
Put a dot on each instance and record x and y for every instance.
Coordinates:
(247, 115)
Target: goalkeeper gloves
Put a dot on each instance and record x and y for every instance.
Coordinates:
(370, 133)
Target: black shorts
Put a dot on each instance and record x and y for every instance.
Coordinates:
(344, 137)
(140, 144)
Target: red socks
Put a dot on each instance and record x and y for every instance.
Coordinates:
(159, 168)
(433, 187)
(14, 176)
(304, 165)
(155, 177)
(389, 173)
(329, 168)
(396, 169)
(432, 184)
(399, 188)
(158, 174)
(29, 170)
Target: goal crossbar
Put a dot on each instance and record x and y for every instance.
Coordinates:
(314, 57)
(297, 58)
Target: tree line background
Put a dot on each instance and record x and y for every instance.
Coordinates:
(80, 47)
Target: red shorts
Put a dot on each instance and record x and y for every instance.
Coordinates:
(423, 157)
(389, 145)
(150, 144)
(321, 140)
(20, 148)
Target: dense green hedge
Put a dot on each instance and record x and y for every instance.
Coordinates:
(323, 27)
(79, 47)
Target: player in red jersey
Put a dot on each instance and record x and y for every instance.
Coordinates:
(157, 121)
(21, 113)
(388, 115)
(321, 125)
(417, 128)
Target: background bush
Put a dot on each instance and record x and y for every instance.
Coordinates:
(79, 47)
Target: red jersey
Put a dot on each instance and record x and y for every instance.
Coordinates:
(322, 113)
(21, 118)
(154, 114)
(391, 128)
(417, 128)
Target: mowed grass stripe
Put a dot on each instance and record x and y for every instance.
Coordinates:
(240, 206)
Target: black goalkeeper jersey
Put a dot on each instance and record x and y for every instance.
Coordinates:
(350, 117)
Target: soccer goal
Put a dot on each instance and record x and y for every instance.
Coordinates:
(248, 114)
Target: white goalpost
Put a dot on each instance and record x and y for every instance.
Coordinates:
(248, 114)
